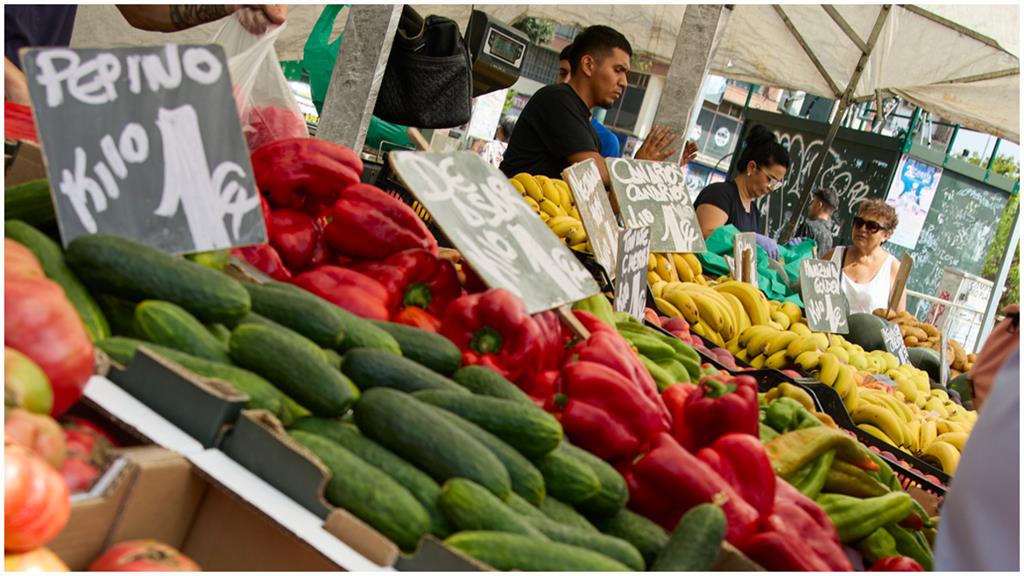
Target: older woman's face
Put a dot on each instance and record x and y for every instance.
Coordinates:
(869, 233)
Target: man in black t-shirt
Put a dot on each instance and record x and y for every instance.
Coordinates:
(554, 130)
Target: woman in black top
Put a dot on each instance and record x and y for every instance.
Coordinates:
(763, 165)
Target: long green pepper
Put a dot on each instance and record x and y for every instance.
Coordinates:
(856, 518)
(810, 479)
(911, 543)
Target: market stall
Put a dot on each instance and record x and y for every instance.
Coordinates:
(428, 366)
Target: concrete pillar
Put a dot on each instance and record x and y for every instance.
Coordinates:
(698, 38)
(355, 82)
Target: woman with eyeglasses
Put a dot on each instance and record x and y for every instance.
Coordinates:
(868, 270)
(762, 168)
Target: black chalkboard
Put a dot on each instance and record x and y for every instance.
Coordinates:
(654, 194)
(825, 305)
(859, 166)
(584, 179)
(494, 229)
(145, 142)
(960, 227)
(631, 271)
(894, 344)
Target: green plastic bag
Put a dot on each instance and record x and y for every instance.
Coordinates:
(720, 244)
(318, 58)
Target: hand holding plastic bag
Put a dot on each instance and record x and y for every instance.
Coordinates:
(768, 245)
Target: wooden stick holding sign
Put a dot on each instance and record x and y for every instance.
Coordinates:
(906, 263)
(569, 319)
(944, 359)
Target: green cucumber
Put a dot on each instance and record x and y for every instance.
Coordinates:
(302, 373)
(427, 348)
(566, 478)
(610, 546)
(220, 332)
(135, 271)
(172, 326)
(332, 357)
(262, 394)
(486, 382)
(253, 318)
(301, 311)
(614, 493)
(517, 552)
(373, 368)
(416, 432)
(368, 493)
(695, 543)
(51, 258)
(120, 314)
(30, 202)
(646, 536)
(422, 487)
(565, 514)
(525, 509)
(528, 429)
(526, 479)
(470, 506)
(356, 332)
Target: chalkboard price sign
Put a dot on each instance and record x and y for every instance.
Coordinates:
(894, 343)
(494, 228)
(631, 271)
(145, 142)
(825, 305)
(596, 212)
(654, 194)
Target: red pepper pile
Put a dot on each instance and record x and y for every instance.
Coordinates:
(348, 242)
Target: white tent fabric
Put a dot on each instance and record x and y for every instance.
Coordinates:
(919, 56)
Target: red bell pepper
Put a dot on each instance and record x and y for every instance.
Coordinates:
(605, 346)
(351, 290)
(785, 492)
(722, 405)
(896, 564)
(675, 397)
(416, 278)
(742, 461)
(683, 481)
(368, 223)
(294, 236)
(493, 329)
(554, 336)
(264, 258)
(777, 551)
(795, 524)
(265, 210)
(418, 318)
(294, 170)
(618, 421)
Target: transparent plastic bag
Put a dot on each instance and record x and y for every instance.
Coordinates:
(266, 107)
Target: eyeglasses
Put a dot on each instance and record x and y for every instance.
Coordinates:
(773, 182)
(868, 225)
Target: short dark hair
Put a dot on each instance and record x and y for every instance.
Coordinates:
(566, 53)
(762, 147)
(827, 196)
(597, 41)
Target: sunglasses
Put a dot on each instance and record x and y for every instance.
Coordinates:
(868, 225)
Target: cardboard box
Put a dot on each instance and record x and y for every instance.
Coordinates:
(26, 164)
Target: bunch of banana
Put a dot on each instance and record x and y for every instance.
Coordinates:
(785, 313)
(552, 200)
(719, 313)
(669, 267)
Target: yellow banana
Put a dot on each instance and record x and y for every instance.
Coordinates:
(779, 343)
(928, 433)
(739, 313)
(531, 203)
(914, 437)
(821, 338)
(800, 328)
(852, 397)
(551, 209)
(844, 382)
(519, 187)
(653, 277)
(700, 279)
(682, 268)
(652, 262)
(577, 235)
(742, 355)
(694, 263)
(791, 310)
(890, 361)
(840, 353)
(801, 344)
(665, 269)
(883, 419)
(530, 185)
(874, 431)
(753, 300)
(808, 361)
(957, 439)
(745, 335)
(781, 318)
(667, 307)
(658, 287)
(756, 344)
(563, 226)
(776, 361)
(709, 311)
(858, 360)
(945, 454)
(908, 389)
(758, 362)
(829, 368)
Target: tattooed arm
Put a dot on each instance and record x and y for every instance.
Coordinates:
(171, 18)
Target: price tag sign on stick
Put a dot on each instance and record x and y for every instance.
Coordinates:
(584, 179)
(145, 143)
(893, 341)
(631, 271)
(744, 249)
(654, 194)
(825, 305)
(494, 229)
(944, 359)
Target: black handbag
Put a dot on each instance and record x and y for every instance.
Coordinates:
(428, 81)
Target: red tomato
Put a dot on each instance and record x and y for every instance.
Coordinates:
(79, 474)
(20, 262)
(41, 323)
(25, 384)
(143, 556)
(36, 500)
(37, 432)
(38, 560)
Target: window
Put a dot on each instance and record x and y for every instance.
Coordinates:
(626, 110)
(540, 64)
(566, 32)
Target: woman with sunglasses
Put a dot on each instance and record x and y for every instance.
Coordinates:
(868, 270)
(762, 168)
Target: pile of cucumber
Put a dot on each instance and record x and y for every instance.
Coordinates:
(416, 444)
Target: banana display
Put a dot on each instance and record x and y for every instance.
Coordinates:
(552, 200)
(916, 333)
(681, 267)
(914, 417)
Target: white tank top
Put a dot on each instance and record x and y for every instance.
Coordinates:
(868, 296)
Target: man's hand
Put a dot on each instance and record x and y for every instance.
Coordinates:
(658, 145)
(689, 153)
(258, 18)
(15, 85)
